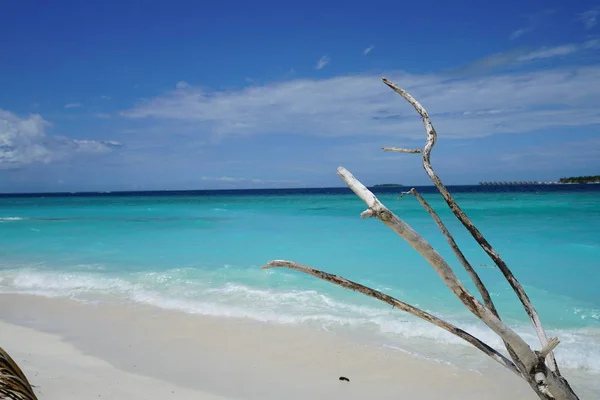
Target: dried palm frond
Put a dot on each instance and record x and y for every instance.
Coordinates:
(13, 383)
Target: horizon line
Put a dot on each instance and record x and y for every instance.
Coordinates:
(376, 187)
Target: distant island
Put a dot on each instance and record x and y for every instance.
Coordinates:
(581, 179)
(389, 185)
(499, 183)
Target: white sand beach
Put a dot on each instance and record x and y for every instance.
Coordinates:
(72, 351)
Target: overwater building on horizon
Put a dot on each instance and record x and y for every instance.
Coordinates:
(498, 183)
(590, 179)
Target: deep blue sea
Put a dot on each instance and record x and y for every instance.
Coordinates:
(200, 252)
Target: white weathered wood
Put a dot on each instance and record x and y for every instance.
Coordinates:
(431, 138)
(485, 295)
(530, 363)
(550, 346)
(377, 209)
(348, 284)
(538, 368)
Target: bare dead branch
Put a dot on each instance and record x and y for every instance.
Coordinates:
(485, 294)
(487, 299)
(377, 209)
(527, 361)
(338, 280)
(538, 368)
(552, 343)
(462, 217)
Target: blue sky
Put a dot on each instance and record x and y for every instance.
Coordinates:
(133, 95)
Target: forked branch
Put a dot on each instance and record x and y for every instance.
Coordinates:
(527, 358)
(544, 381)
(431, 138)
(485, 294)
(538, 368)
(487, 299)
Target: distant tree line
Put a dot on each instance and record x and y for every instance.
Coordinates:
(581, 179)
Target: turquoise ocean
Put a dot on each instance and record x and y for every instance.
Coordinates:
(200, 252)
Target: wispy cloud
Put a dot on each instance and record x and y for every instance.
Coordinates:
(323, 61)
(549, 53)
(24, 141)
(182, 85)
(94, 146)
(590, 17)
(73, 105)
(102, 115)
(533, 22)
(519, 57)
(105, 97)
(368, 50)
(520, 32)
(357, 105)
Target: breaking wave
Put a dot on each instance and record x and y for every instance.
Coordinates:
(180, 289)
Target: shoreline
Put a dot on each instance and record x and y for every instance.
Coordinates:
(218, 358)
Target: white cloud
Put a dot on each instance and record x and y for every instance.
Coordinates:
(93, 146)
(359, 105)
(73, 105)
(549, 52)
(24, 141)
(557, 51)
(519, 57)
(102, 115)
(520, 32)
(533, 22)
(105, 97)
(368, 50)
(182, 85)
(323, 61)
(590, 18)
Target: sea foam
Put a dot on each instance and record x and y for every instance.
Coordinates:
(579, 349)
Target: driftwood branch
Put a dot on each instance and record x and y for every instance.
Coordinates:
(485, 294)
(538, 368)
(337, 280)
(487, 299)
(462, 217)
(551, 345)
(530, 363)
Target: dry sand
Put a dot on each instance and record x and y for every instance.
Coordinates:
(72, 351)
